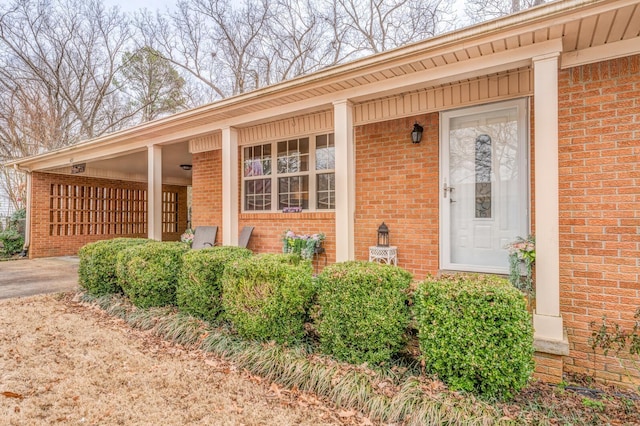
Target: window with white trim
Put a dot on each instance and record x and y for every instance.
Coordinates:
(303, 176)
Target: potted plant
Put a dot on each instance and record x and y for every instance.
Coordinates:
(304, 245)
(522, 257)
(187, 236)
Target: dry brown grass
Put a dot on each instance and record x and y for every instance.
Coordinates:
(66, 363)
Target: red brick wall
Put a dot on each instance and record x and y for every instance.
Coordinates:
(45, 245)
(599, 148)
(397, 182)
(270, 227)
(206, 189)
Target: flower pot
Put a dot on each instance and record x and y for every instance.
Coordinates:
(522, 267)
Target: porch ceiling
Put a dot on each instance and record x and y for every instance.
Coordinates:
(133, 165)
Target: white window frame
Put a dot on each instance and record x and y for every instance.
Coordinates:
(312, 174)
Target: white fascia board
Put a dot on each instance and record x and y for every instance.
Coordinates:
(605, 52)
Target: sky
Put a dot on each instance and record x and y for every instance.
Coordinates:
(134, 5)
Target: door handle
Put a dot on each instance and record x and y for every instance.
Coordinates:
(447, 189)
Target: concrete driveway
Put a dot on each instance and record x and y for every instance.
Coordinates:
(19, 278)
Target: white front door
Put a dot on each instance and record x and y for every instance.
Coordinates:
(484, 185)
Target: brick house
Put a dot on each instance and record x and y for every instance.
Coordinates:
(531, 123)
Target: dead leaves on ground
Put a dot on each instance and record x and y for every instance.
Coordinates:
(8, 394)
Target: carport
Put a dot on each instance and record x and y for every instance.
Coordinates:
(127, 184)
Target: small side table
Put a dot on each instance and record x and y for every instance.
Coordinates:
(388, 255)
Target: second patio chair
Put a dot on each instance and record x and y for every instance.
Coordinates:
(245, 236)
(204, 236)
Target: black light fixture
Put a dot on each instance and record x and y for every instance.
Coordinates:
(383, 235)
(416, 133)
(186, 167)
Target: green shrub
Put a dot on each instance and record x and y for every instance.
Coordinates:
(475, 333)
(97, 270)
(148, 273)
(199, 291)
(12, 242)
(362, 311)
(266, 296)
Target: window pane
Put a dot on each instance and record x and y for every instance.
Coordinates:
(325, 152)
(321, 141)
(325, 191)
(257, 160)
(304, 146)
(250, 187)
(293, 156)
(293, 192)
(483, 176)
(266, 166)
(282, 149)
(282, 164)
(257, 194)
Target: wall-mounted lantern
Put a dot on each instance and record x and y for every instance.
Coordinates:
(416, 133)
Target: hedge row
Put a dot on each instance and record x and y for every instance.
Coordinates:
(474, 331)
(199, 291)
(97, 270)
(148, 274)
(362, 311)
(267, 297)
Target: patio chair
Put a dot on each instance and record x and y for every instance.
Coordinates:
(245, 236)
(204, 236)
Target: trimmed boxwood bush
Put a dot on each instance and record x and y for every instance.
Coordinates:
(362, 311)
(97, 270)
(12, 242)
(475, 333)
(266, 296)
(148, 273)
(199, 291)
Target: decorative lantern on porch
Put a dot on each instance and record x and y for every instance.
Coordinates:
(383, 236)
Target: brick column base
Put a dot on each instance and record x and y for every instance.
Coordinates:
(548, 367)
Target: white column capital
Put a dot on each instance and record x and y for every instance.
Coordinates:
(345, 102)
(546, 57)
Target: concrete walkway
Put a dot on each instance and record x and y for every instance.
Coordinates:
(19, 278)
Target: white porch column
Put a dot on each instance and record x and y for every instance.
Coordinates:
(547, 321)
(154, 192)
(229, 186)
(345, 180)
